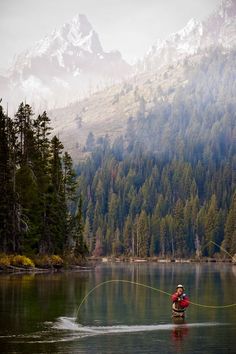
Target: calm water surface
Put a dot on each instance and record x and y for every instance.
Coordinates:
(38, 313)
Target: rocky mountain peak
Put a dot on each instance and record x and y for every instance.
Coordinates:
(80, 33)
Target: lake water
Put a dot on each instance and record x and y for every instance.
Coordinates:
(38, 313)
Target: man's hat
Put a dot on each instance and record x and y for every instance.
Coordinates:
(179, 286)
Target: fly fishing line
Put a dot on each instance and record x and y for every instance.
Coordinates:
(154, 289)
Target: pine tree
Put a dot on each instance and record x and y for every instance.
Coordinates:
(117, 247)
(25, 175)
(128, 236)
(99, 245)
(142, 235)
(113, 212)
(179, 229)
(69, 179)
(16, 226)
(163, 237)
(78, 232)
(24, 129)
(42, 130)
(88, 238)
(211, 225)
(56, 165)
(8, 213)
(155, 234)
(229, 242)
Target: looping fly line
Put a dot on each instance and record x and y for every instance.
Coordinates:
(148, 287)
(154, 289)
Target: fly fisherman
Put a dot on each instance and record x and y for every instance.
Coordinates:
(180, 302)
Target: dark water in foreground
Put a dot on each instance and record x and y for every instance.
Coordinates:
(38, 312)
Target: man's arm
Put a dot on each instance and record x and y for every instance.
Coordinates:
(175, 297)
(184, 302)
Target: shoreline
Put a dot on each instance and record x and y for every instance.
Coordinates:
(112, 259)
(91, 262)
(35, 270)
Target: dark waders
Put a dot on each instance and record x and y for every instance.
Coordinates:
(178, 313)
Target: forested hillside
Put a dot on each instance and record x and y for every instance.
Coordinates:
(168, 186)
(203, 112)
(142, 205)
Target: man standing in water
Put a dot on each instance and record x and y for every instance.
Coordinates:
(180, 302)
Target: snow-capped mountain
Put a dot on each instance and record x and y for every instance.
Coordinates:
(65, 65)
(175, 47)
(70, 63)
(219, 29)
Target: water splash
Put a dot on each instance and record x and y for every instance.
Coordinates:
(69, 323)
(67, 329)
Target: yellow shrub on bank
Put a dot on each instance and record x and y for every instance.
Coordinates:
(22, 261)
(48, 261)
(45, 261)
(4, 261)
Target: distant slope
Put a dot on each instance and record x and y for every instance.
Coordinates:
(159, 103)
(107, 112)
(202, 112)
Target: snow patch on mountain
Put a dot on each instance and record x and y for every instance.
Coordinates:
(176, 46)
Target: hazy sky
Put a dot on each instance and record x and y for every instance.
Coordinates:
(128, 25)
